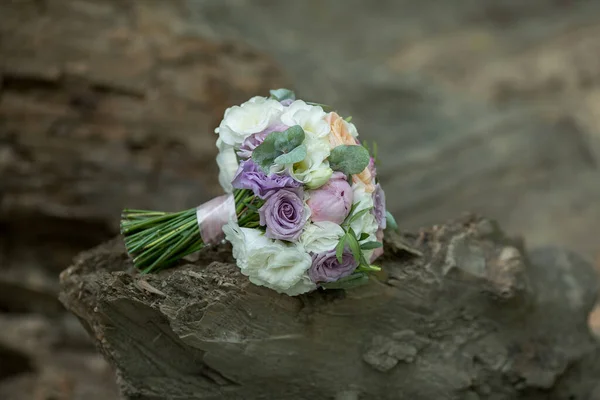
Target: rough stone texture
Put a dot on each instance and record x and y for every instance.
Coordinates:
(474, 317)
(103, 104)
(106, 104)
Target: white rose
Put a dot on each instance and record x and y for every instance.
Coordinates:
(284, 269)
(366, 223)
(310, 118)
(246, 241)
(253, 116)
(321, 236)
(268, 262)
(304, 285)
(228, 166)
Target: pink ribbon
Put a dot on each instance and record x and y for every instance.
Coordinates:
(212, 215)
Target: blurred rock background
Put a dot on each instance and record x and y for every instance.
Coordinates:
(476, 105)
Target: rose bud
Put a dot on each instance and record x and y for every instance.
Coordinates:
(332, 201)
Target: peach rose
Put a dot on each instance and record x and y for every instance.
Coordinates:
(340, 135)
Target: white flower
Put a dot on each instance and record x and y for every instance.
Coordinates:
(317, 150)
(271, 263)
(253, 116)
(246, 241)
(285, 270)
(319, 176)
(304, 285)
(310, 118)
(366, 223)
(228, 166)
(321, 236)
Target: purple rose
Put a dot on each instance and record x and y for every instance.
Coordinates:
(332, 201)
(250, 176)
(326, 268)
(283, 214)
(253, 141)
(379, 206)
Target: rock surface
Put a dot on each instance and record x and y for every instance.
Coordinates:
(473, 317)
(103, 104)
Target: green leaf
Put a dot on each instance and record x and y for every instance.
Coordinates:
(348, 118)
(289, 139)
(339, 249)
(348, 282)
(265, 153)
(390, 221)
(282, 94)
(354, 246)
(369, 268)
(363, 236)
(370, 245)
(349, 159)
(360, 214)
(294, 156)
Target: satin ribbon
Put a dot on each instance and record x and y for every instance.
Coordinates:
(213, 215)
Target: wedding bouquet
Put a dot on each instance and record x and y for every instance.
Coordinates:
(303, 208)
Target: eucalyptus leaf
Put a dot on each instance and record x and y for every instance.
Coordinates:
(390, 221)
(349, 159)
(289, 139)
(264, 154)
(294, 156)
(348, 282)
(282, 94)
(370, 245)
(339, 249)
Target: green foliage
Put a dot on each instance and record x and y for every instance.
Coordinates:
(348, 282)
(370, 245)
(390, 221)
(282, 94)
(349, 159)
(281, 147)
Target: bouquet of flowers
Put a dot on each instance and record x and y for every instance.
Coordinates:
(303, 208)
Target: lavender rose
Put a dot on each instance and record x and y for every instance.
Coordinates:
(326, 268)
(332, 201)
(250, 176)
(283, 213)
(253, 141)
(379, 206)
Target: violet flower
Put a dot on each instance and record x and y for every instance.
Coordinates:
(253, 141)
(379, 206)
(250, 176)
(326, 267)
(283, 214)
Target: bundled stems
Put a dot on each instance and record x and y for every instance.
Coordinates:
(156, 240)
